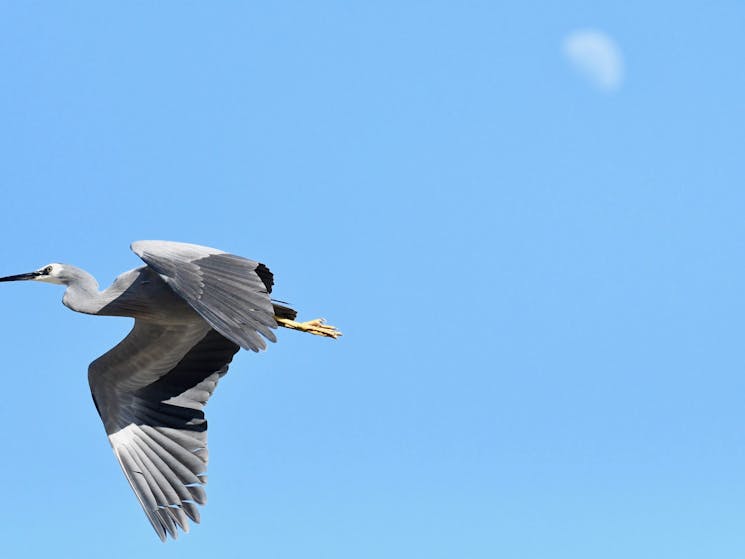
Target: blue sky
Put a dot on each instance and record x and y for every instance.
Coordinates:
(539, 279)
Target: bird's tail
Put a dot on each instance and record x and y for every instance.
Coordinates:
(281, 311)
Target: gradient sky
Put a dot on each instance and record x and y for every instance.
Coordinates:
(539, 277)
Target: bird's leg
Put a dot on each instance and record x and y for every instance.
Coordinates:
(316, 326)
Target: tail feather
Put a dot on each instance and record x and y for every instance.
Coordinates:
(282, 311)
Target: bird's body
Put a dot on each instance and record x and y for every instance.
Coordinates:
(139, 293)
(194, 308)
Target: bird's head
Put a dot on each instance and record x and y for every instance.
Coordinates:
(51, 273)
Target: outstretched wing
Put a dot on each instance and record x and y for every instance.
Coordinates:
(230, 292)
(150, 391)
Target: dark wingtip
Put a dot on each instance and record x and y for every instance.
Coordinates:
(266, 276)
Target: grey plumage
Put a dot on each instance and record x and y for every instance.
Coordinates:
(223, 288)
(194, 308)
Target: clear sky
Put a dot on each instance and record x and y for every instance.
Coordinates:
(526, 217)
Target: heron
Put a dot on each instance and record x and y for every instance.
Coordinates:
(194, 308)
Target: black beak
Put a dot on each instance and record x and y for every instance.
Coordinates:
(19, 277)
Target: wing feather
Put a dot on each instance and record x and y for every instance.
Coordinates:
(230, 292)
(150, 391)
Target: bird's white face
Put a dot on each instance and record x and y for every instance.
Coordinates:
(51, 273)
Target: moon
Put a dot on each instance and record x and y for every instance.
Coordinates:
(596, 56)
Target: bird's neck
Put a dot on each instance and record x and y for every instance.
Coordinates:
(82, 294)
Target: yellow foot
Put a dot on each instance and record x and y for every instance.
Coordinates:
(317, 326)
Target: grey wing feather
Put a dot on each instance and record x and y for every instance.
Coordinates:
(230, 292)
(150, 391)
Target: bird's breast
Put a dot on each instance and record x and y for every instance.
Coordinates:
(143, 294)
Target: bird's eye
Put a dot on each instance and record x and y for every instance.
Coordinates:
(46, 271)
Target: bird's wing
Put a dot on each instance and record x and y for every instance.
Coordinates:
(230, 292)
(150, 391)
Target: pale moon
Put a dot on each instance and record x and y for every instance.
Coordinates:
(596, 56)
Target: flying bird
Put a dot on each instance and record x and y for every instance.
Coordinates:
(194, 308)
